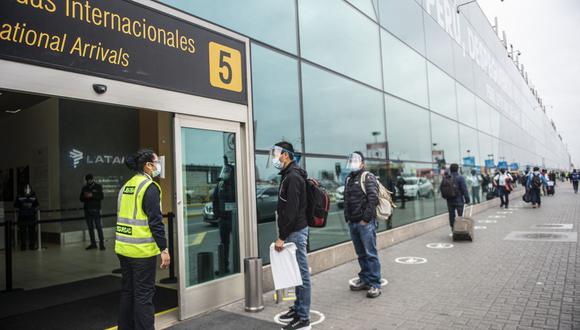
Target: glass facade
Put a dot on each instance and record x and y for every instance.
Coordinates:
(412, 84)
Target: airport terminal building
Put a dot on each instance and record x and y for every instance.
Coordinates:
(209, 85)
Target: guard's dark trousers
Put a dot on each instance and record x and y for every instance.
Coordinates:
(136, 310)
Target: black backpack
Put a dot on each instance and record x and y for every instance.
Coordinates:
(449, 188)
(317, 204)
(536, 181)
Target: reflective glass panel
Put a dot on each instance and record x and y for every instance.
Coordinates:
(404, 70)
(445, 136)
(350, 48)
(466, 106)
(468, 141)
(404, 18)
(441, 92)
(211, 210)
(340, 115)
(408, 131)
(276, 100)
(414, 191)
(272, 21)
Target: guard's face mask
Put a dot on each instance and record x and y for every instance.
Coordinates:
(157, 170)
(27, 190)
(354, 162)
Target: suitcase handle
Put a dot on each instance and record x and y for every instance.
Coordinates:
(470, 210)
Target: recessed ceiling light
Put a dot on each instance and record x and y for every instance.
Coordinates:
(13, 111)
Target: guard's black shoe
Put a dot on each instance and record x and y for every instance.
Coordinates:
(359, 285)
(290, 316)
(90, 247)
(102, 247)
(298, 325)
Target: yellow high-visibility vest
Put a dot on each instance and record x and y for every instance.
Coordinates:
(134, 238)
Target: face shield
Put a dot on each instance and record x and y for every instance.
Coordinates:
(274, 157)
(354, 162)
(226, 173)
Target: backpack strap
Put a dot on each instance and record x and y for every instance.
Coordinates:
(363, 178)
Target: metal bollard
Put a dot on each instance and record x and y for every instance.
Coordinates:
(253, 284)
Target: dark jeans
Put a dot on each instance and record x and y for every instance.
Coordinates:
(27, 234)
(452, 208)
(575, 185)
(136, 310)
(303, 292)
(364, 239)
(504, 196)
(536, 197)
(475, 194)
(225, 227)
(93, 218)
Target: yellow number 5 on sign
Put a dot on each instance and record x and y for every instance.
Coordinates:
(225, 67)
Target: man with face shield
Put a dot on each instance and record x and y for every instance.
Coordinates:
(224, 195)
(27, 205)
(293, 227)
(360, 212)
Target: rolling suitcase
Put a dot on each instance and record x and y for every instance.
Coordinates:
(463, 227)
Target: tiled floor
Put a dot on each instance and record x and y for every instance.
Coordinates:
(58, 264)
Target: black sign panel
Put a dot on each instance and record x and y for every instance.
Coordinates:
(125, 41)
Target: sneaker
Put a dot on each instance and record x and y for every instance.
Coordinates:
(373, 292)
(90, 247)
(290, 316)
(298, 325)
(359, 285)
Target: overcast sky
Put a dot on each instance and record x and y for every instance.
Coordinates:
(547, 34)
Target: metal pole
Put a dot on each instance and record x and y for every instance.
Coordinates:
(254, 301)
(8, 252)
(38, 228)
(171, 278)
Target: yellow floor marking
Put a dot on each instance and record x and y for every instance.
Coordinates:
(156, 314)
(198, 238)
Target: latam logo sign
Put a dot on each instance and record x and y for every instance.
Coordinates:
(78, 157)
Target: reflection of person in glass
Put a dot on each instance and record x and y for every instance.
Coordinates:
(27, 205)
(223, 200)
(140, 238)
(401, 188)
(92, 195)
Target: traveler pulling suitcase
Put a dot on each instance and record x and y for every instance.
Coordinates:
(463, 227)
(550, 189)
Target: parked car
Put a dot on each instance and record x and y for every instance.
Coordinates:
(418, 187)
(339, 197)
(266, 201)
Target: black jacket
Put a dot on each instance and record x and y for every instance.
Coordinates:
(27, 206)
(463, 195)
(292, 201)
(93, 202)
(152, 208)
(358, 205)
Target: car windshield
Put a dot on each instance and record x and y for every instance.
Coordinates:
(410, 180)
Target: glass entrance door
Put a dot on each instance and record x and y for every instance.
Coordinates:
(208, 192)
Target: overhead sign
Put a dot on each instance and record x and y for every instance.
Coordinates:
(469, 161)
(502, 164)
(489, 163)
(514, 166)
(125, 41)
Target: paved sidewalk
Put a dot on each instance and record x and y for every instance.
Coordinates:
(532, 282)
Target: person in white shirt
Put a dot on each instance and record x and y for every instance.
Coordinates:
(503, 181)
(475, 182)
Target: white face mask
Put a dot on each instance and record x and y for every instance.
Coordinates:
(157, 170)
(27, 190)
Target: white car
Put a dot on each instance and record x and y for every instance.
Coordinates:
(418, 187)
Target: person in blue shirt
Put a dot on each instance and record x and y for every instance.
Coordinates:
(535, 183)
(575, 177)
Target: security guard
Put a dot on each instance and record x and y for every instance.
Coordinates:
(140, 238)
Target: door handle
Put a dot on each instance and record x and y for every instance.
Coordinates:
(178, 202)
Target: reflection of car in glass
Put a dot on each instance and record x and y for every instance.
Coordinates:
(339, 197)
(266, 201)
(418, 187)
